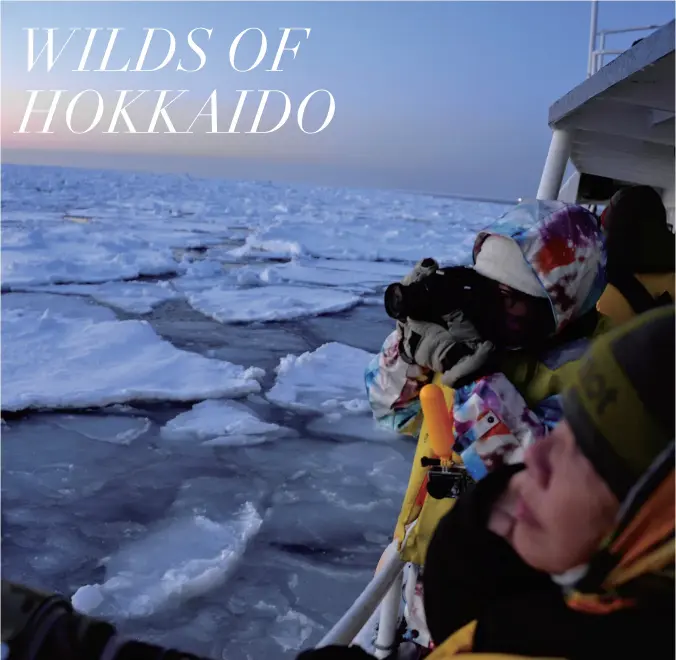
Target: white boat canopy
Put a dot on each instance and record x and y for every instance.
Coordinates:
(617, 127)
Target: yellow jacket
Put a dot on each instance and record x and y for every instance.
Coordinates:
(615, 306)
(459, 647)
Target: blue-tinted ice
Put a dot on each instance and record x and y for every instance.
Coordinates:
(242, 528)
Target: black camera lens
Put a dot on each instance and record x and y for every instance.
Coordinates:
(394, 302)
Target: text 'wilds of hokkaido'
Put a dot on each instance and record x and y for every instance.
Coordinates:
(89, 110)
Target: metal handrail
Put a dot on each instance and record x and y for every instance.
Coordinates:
(596, 55)
(352, 622)
(632, 29)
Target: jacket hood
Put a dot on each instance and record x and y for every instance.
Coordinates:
(563, 245)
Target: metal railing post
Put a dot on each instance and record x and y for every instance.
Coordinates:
(598, 54)
(555, 165)
(388, 622)
(598, 62)
(592, 37)
(352, 622)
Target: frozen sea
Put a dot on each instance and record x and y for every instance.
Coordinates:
(186, 445)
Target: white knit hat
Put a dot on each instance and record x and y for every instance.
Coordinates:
(501, 259)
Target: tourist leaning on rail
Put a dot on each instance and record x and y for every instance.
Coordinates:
(641, 250)
(546, 262)
(571, 554)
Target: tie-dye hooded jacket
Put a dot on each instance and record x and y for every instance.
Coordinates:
(563, 244)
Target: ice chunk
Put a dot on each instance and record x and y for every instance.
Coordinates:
(118, 430)
(361, 277)
(132, 297)
(87, 598)
(407, 241)
(194, 270)
(384, 270)
(50, 361)
(221, 423)
(181, 560)
(352, 427)
(328, 379)
(257, 247)
(269, 303)
(70, 252)
(383, 467)
(72, 307)
(292, 629)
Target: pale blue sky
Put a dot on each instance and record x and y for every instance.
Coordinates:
(442, 96)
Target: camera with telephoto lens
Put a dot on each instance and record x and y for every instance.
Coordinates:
(38, 626)
(442, 292)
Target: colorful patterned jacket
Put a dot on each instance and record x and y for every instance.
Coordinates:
(563, 244)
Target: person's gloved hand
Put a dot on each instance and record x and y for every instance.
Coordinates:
(422, 269)
(455, 352)
(468, 365)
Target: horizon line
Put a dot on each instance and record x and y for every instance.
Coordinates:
(4, 160)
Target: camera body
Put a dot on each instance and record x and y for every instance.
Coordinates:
(444, 291)
(448, 483)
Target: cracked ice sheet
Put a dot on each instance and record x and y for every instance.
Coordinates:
(328, 380)
(447, 239)
(71, 307)
(117, 430)
(361, 275)
(52, 360)
(222, 423)
(182, 559)
(354, 427)
(70, 253)
(199, 276)
(131, 297)
(269, 303)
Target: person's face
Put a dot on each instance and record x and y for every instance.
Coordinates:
(562, 508)
(524, 317)
(515, 306)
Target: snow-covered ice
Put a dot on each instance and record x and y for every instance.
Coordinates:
(53, 361)
(70, 307)
(77, 253)
(324, 273)
(197, 555)
(131, 297)
(407, 241)
(167, 506)
(326, 380)
(224, 423)
(269, 303)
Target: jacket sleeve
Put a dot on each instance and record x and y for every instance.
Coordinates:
(541, 377)
(393, 389)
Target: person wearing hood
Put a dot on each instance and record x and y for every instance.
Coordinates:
(641, 250)
(544, 263)
(569, 555)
